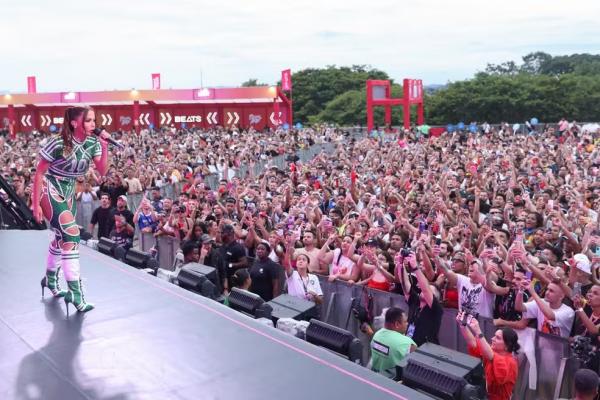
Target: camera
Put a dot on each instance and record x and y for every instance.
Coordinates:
(583, 350)
(405, 252)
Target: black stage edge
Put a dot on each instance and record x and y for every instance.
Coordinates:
(148, 339)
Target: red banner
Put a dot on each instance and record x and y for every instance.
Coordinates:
(286, 79)
(155, 81)
(31, 84)
(415, 89)
(275, 120)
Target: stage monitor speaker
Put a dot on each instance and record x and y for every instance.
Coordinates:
(249, 303)
(107, 246)
(286, 306)
(199, 278)
(444, 373)
(335, 339)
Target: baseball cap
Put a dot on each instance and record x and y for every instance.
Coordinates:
(123, 197)
(582, 263)
(372, 242)
(206, 239)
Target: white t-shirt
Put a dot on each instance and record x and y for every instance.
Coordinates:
(563, 319)
(340, 264)
(299, 287)
(474, 297)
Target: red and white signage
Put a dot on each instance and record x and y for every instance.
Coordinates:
(31, 86)
(155, 81)
(286, 79)
(415, 89)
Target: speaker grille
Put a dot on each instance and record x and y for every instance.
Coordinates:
(244, 301)
(434, 381)
(329, 336)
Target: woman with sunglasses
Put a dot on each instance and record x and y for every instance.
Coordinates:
(63, 159)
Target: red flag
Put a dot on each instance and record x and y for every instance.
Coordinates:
(155, 81)
(31, 84)
(286, 79)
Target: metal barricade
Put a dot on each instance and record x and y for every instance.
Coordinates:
(553, 363)
(85, 211)
(134, 200)
(167, 247)
(147, 241)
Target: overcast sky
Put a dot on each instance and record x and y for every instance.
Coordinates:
(110, 44)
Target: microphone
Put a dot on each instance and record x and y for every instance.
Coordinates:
(98, 131)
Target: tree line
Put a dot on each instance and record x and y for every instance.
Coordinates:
(543, 86)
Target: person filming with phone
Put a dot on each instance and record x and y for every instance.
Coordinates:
(498, 356)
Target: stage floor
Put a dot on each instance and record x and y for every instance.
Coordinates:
(148, 339)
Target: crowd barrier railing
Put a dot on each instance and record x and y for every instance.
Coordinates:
(546, 365)
(552, 359)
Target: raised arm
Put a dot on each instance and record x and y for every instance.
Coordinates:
(448, 273)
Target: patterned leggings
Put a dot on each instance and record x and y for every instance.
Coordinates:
(60, 212)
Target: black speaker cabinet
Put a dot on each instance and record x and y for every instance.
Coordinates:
(442, 372)
(286, 306)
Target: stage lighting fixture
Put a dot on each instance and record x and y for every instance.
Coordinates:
(336, 339)
(444, 373)
(200, 279)
(141, 260)
(249, 303)
(107, 246)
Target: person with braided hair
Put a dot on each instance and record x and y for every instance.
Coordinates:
(62, 160)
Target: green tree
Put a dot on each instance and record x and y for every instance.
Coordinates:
(253, 82)
(534, 62)
(349, 108)
(315, 87)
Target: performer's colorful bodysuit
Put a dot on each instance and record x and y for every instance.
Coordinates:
(58, 203)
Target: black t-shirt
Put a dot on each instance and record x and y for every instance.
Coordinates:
(122, 238)
(105, 219)
(213, 259)
(113, 191)
(426, 321)
(263, 273)
(231, 253)
(126, 213)
(504, 307)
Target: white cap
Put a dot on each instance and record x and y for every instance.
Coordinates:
(582, 263)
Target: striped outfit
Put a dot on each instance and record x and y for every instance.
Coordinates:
(58, 195)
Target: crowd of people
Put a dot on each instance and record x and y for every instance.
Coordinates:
(496, 224)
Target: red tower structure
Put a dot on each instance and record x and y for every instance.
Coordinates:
(379, 93)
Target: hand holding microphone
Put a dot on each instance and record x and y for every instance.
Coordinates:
(98, 132)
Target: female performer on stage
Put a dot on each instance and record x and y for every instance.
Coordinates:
(64, 158)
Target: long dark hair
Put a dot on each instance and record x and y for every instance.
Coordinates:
(67, 131)
(240, 277)
(511, 340)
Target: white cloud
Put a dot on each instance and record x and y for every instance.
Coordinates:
(111, 44)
